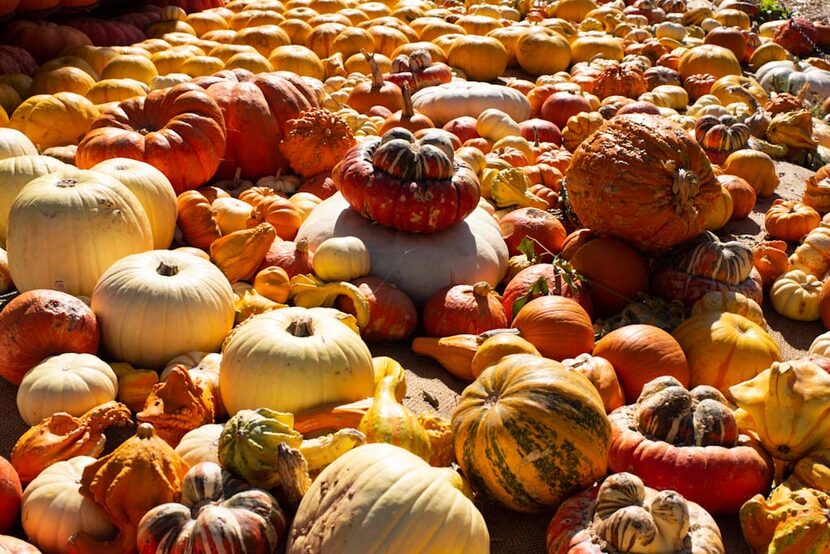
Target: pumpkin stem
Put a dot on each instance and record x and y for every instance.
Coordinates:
(166, 270)
(66, 183)
(407, 110)
(145, 431)
(481, 289)
(301, 327)
(685, 185)
(377, 75)
(301, 246)
(236, 176)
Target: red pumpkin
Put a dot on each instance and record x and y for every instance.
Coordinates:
(541, 227)
(742, 193)
(639, 107)
(104, 32)
(42, 323)
(540, 130)
(11, 494)
(411, 185)
(190, 6)
(558, 327)
(560, 106)
(615, 273)
(713, 466)
(464, 309)
(291, 256)
(16, 60)
(42, 39)
(256, 109)
(523, 282)
(180, 131)
(798, 35)
(641, 353)
(463, 127)
(392, 315)
(321, 185)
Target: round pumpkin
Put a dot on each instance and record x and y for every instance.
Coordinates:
(54, 120)
(13, 143)
(11, 494)
(341, 259)
(547, 424)
(538, 226)
(480, 58)
(293, 360)
(67, 228)
(523, 286)
(557, 326)
(392, 315)
(147, 303)
(602, 375)
(460, 309)
(640, 353)
(543, 53)
(16, 173)
(708, 58)
(200, 444)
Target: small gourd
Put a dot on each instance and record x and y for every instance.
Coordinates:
(496, 347)
(390, 421)
(273, 283)
(341, 259)
(240, 253)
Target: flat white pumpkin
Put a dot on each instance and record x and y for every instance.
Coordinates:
(201, 444)
(14, 143)
(71, 383)
(159, 304)
(16, 173)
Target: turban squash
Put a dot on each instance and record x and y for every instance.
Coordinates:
(179, 131)
(643, 179)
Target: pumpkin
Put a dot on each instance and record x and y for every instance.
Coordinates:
(446, 102)
(186, 144)
(526, 285)
(601, 374)
(732, 302)
(375, 92)
(107, 482)
(789, 220)
(590, 46)
(397, 255)
(313, 347)
(623, 515)
(43, 255)
(41, 39)
(724, 349)
(55, 493)
(13, 143)
(525, 390)
(560, 106)
(15, 173)
(168, 289)
(341, 259)
(741, 193)
(649, 224)
(200, 444)
(797, 295)
(14, 60)
(375, 473)
(770, 260)
(708, 58)
(210, 496)
(392, 315)
(720, 136)
(315, 142)
(557, 326)
(784, 406)
(10, 495)
(293, 257)
(480, 58)
(378, 174)
(12, 545)
(816, 190)
(756, 168)
(639, 353)
(54, 120)
(540, 227)
(256, 110)
(196, 219)
(811, 256)
(461, 309)
(542, 53)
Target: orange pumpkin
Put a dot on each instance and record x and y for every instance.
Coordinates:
(196, 219)
(316, 141)
(376, 92)
(742, 193)
(557, 326)
(770, 259)
(790, 220)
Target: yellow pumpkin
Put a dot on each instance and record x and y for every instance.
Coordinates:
(480, 58)
(724, 349)
(54, 120)
(172, 60)
(721, 212)
(273, 283)
(708, 58)
(134, 67)
(297, 59)
(543, 52)
(202, 66)
(729, 301)
(63, 79)
(493, 349)
(115, 90)
(588, 47)
(797, 295)
(264, 38)
(756, 168)
(203, 22)
(96, 56)
(251, 61)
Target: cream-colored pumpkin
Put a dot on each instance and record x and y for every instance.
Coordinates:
(5, 276)
(160, 304)
(445, 102)
(153, 190)
(71, 383)
(53, 509)
(294, 359)
(341, 259)
(14, 143)
(201, 444)
(392, 501)
(232, 214)
(821, 345)
(796, 295)
(16, 173)
(67, 228)
(494, 125)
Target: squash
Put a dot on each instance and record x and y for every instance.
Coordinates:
(368, 475)
(152, 189)
(200, 444)
(240, 253)
(341, 259)
(459, 309)
(724, 349)
(646, 224)
(146, 304)
(446, 102)
(813, 254)
(785, 406)
(495, 347)
(602, 375)
(454, 353)
(216, 505)
(732, 302)
(708, 58)
(797, 295)
(105, 222)
(557, 326)
(55, 493)
(54, 120)
(12, 545)
(507, 400)
(72, 383)
(470, 251)
(273, 359)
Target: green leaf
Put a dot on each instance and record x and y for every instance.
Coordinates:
(539, 288)
(528, 248)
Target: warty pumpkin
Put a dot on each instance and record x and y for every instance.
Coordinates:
(314, 142)
(520, 393)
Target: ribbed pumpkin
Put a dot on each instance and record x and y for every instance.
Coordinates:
(546, 423)
(67, 228)
(315, 142)
(15, 173)
(54, 120)
(557, 326)
(643, 179)
(13, 143)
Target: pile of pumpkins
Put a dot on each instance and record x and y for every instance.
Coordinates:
(203, 229)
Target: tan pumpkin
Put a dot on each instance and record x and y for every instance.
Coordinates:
(797, 295)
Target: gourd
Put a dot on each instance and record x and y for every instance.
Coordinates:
(732, 302)
(146, 304)
(367, 477)
(454, 353)
(341, 259)
(71, 383)
(602, 375)
(240, 253)
(495, 347)
(813, 254)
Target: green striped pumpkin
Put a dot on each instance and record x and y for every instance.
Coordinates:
(531, 433)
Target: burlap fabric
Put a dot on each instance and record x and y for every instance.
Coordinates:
(429, 386)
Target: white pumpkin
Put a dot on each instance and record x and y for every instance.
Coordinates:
(71, 383)
(445, 102)
(392, 501)
(5, 276)
(160, 304)
(469, 252)
(169, 80)
(232, 214)
(201, 444)
(786, 76)
(341, 259)
(821, 345)
(153, 190)
(294, 359)
(67, 228)
(53, 509)
(16, 173)
(14, 143)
